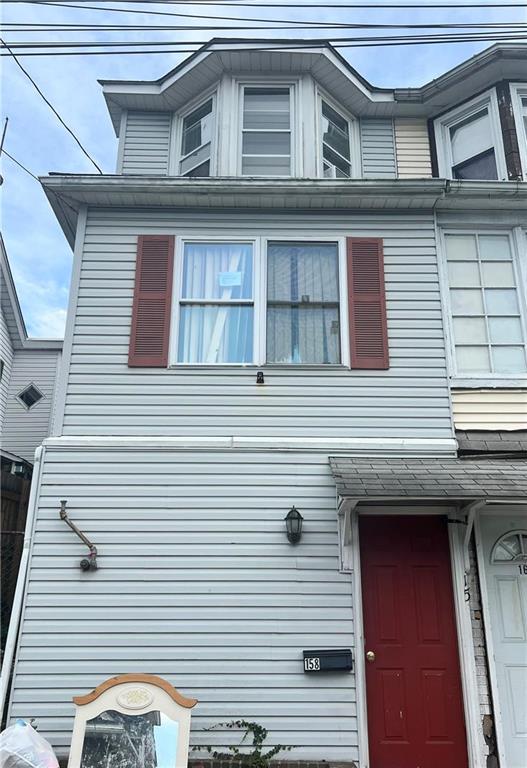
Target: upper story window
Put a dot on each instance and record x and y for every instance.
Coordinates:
(336, 148)
(519, 102)
(196, 141)
(266, 131)
(469, 141)
(487, 305)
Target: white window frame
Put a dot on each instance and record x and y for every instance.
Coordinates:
(354, 135)
(519, 91)
(296, 154)
(177, 133)
(260, 244)
(518, 242)
(443, 124)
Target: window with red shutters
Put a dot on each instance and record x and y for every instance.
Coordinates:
(367, 303)
(152, 300)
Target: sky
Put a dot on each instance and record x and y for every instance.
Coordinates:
(38, 253)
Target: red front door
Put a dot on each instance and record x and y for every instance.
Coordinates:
(413, 684)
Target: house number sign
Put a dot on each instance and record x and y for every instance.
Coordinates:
(328, 660)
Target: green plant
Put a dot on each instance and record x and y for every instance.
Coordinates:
(256, 758)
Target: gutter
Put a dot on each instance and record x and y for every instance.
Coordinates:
(18, 599)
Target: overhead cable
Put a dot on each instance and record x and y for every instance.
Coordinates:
(17, 162)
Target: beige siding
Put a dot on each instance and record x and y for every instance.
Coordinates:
(413, 148)
(490, 408)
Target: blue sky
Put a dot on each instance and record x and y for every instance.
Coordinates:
(39, 255)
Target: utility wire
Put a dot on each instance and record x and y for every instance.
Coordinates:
(43, 27)
(14, 160)
(50, 105)
(302, 5)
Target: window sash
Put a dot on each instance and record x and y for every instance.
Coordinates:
(248, 130)
(489, 344)
(202, 153)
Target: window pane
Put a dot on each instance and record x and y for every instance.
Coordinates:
(498, 274)
(303, 272)
(215, 334)
(303, 335)
(266, 166)
(463, 274)
(501, 301)
(494, 247)
(470, 137)
(262, 143)
(335, 131)
(470, 330)
(468, 302)
(197, 128)
(266, 108)
(505, 330)
(200, 170)
(480, 167)
(199, 157)
(509, 359)
(217, 271)
(472, 359)
(461, 247)
(342, 168)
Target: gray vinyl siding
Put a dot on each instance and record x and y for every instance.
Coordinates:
(146, 143)
(25, 430)
(106, 397)
(196, 583)
(378, 149)
(413, 148)
(6, 356)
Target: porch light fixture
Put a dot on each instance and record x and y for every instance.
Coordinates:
(293, 525)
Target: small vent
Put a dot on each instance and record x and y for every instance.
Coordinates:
(30, 396)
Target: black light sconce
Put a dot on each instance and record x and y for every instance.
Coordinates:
(293, 525)
(260, 377)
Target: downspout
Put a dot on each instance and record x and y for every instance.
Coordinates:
(472, 508)
(18, 599)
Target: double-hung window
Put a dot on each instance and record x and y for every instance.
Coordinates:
(303, 303)
(519, 103)
(336, 143)
(196, 140)
(266, 131)
(216, 306)
(470, 145)
(486, 305)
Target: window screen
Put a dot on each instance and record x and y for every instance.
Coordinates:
(335, 144)
(196, 141)
(303, 303)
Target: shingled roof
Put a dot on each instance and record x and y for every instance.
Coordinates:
(431, 478)
(479, 441)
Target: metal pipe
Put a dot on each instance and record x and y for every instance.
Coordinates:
(12, 633)
(80, 534)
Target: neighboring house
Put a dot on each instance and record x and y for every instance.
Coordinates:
(272, 299)
(28, 374)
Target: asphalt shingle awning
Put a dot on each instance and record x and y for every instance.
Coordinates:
(432, 478)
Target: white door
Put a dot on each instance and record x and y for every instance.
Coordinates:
(504, 541)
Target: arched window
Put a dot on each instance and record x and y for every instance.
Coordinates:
(511, 547)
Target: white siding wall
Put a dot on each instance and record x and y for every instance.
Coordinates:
(25, 430)
(378, 149)
(146, 142)
(105, 397)
(6, 355)
(197, 583)
(413, 148)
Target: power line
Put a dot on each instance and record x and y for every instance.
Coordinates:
(46, 27)
(50, 105)
(372, 42)
(303, 6)
(17, 162)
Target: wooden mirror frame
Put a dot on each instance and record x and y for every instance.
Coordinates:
(132, 695)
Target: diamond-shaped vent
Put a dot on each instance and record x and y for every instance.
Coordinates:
(30, 396)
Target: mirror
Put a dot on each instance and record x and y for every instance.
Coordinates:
(117, 740)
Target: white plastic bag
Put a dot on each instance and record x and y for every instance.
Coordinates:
(22, 747)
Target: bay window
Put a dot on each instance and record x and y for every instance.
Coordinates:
(266, 131)
(196, 141)
(519, 103)
(470, 144)
(486, 305)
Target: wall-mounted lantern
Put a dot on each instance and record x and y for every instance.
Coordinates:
(293, 525)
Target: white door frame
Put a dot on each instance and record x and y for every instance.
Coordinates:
(476, 757)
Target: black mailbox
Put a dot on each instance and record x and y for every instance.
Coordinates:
(329, 660)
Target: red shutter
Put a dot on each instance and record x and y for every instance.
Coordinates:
(367, 303)
(152, 299)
